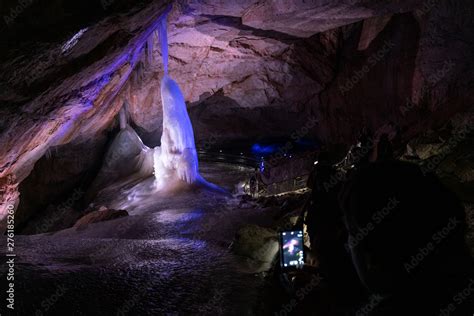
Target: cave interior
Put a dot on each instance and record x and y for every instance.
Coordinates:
(151, 153)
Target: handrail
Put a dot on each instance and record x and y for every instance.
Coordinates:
(228, 158)
(295, 183)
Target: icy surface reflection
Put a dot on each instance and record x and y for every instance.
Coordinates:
(170, 256)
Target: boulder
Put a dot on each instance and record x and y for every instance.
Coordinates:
(257, 244)
(100, 215)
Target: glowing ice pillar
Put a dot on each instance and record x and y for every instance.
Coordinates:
(177, 156)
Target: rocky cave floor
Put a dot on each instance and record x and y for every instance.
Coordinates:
(169, 256)
(176, 254)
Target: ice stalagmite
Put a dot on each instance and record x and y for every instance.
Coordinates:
(176, 159)
(177, 155)
(178, 151)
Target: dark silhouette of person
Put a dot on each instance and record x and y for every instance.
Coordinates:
(406, 233)
(328, 237)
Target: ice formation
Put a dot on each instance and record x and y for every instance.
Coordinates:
(177, 155)
(126, 158)
(176, 160)
(175, 163)
(163, 36)
(73, 41)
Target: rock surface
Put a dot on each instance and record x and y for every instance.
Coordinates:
(101, 215)
(243, 82)
(257, 244)
(58, 82)
(448, 153)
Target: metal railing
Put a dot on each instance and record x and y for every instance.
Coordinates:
(257, 188)
(227, 158)
(254, 186)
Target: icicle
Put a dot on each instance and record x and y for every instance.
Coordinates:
(123, 116)
(149, 51)
(138, 73)
(164, 42)
(177, 155)
(49, 153)
(134, 75)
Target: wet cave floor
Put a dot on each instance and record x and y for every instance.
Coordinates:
(170, 256)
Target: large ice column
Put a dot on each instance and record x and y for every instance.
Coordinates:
(178, 151)
(176, 159)
(177, 156)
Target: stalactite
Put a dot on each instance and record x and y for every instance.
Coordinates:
(149, 50)
(49, 153)
(156, 36)
(134, 75)
(139, 73)
(123, 116)
(163, 35)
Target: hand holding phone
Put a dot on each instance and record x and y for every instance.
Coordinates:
(291, 249)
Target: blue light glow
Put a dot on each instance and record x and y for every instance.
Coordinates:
(264, 149)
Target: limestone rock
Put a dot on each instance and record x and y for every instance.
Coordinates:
(100, 215)
(258, 244)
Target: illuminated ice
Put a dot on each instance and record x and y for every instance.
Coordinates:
(174, 163)
(73, 41)
(177, 157)
(127, 157)
(178, 152)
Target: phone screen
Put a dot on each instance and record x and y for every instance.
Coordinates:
(291, 249)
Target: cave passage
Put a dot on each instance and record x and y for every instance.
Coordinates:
(251, 157)
(169, 255)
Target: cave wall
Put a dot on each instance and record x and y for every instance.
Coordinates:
(422, 80)
(58, 81)
(242, 82)
(53, 195)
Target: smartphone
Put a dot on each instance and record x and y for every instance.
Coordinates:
(291, 249)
